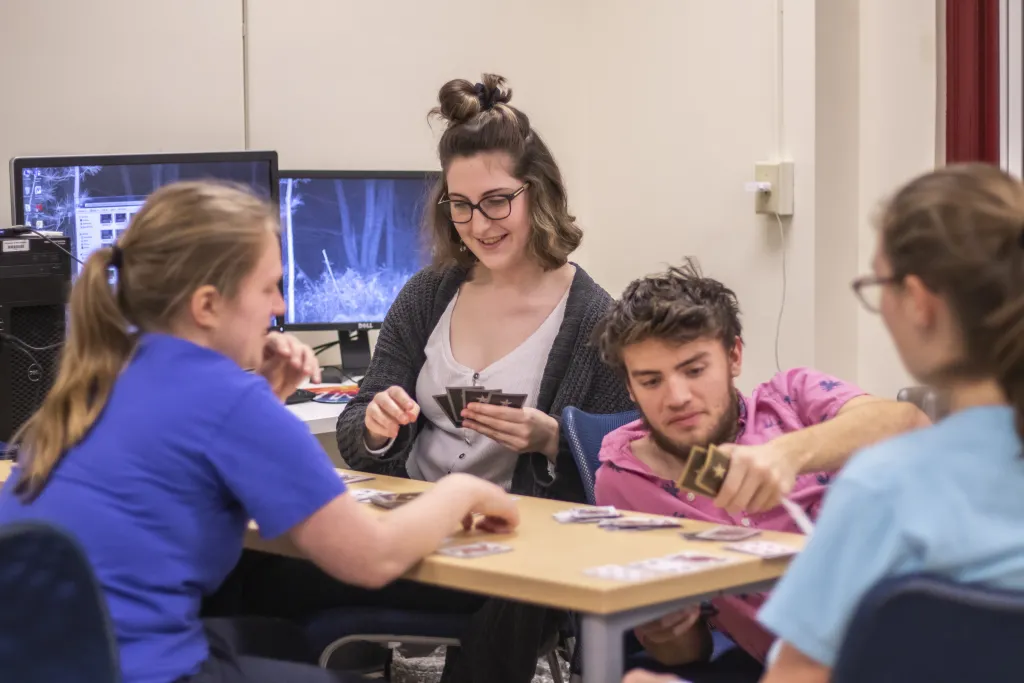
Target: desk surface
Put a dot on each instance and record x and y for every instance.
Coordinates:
(321, 418)
(547, 563)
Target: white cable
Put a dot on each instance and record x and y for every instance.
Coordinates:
(782, 304)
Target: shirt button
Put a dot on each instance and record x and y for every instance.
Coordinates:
(690, 497)
(461, 456)
(745, 522)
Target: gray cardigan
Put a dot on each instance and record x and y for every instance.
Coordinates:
(573, 375)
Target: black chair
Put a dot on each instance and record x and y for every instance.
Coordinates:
(924, 628)
(54, 624)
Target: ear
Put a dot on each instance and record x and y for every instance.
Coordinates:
(918, 303)
(736, 357)
(206, 306)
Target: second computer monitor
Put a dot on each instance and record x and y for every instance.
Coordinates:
(350, 240)
(91, 199)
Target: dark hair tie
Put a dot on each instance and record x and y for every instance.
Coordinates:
(486, 100)
(116, 257)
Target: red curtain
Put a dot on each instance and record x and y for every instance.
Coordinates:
(972, 80)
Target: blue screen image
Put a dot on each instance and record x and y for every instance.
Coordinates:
(349, 245)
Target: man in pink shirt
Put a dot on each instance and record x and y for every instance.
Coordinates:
(676, 338)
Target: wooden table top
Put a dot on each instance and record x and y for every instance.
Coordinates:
(548, 559)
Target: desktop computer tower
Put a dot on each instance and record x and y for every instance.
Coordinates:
(35, 280)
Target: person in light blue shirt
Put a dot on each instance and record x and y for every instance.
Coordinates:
(948, 282)
(155, 447)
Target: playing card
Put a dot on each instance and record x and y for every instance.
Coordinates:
(767, 550)
(390, 501)
(446, 408)
(639, 523)
(365, 495)
(478, 395)
(456, 398)
(507, 400)
(586, 515)
(474, 550)
(353, 477)
(722, 533)
(616, 572)
(678, 563)
(712, 474)
(694, 463)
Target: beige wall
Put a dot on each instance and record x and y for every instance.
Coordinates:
(657, 111)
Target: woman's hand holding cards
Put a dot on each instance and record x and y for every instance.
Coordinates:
(387, 412)
(286, 363)
(523, 430)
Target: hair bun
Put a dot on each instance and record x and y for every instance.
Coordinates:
(459, 100)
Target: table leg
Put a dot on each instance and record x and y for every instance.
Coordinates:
(602, 649)
(601, 634)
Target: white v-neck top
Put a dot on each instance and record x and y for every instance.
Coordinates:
(441, 448)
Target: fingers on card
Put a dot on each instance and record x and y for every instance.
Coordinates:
(507, 400)
(705, 471)
(365, 495)
(474, 550)
(722, 533)
(390, 501)
(588, 515)
(767, 550)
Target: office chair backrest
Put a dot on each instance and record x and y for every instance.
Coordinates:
(585, 432)
(54, 624)
(931, 402)
(923, 628)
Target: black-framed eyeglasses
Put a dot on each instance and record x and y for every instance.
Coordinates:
(868, 289)
(495, 207)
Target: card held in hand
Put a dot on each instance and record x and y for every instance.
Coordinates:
(507, 400)
(712, 474)
(456, 397)
(478, 395)
(694, 464)
(446, 408)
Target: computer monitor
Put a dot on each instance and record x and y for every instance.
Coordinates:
(349, 240)
(91, 199)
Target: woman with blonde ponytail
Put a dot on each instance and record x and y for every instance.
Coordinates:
(946, 500)
(156, 447)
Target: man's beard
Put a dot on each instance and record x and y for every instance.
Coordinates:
(724, 431)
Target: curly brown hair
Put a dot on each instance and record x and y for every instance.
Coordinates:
(679, 305)
(479, 119)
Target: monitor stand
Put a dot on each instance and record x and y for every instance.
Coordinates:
(355, 352)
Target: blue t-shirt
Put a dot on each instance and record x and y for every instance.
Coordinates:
(188, 448)
(945, 500)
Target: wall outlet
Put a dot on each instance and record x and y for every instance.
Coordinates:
(780, 198)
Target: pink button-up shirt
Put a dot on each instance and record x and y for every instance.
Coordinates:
(789, 401)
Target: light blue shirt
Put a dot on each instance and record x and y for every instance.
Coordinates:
(947, 500)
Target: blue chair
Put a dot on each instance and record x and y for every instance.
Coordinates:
(54, 624)
(923, 628)
(585, 432)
